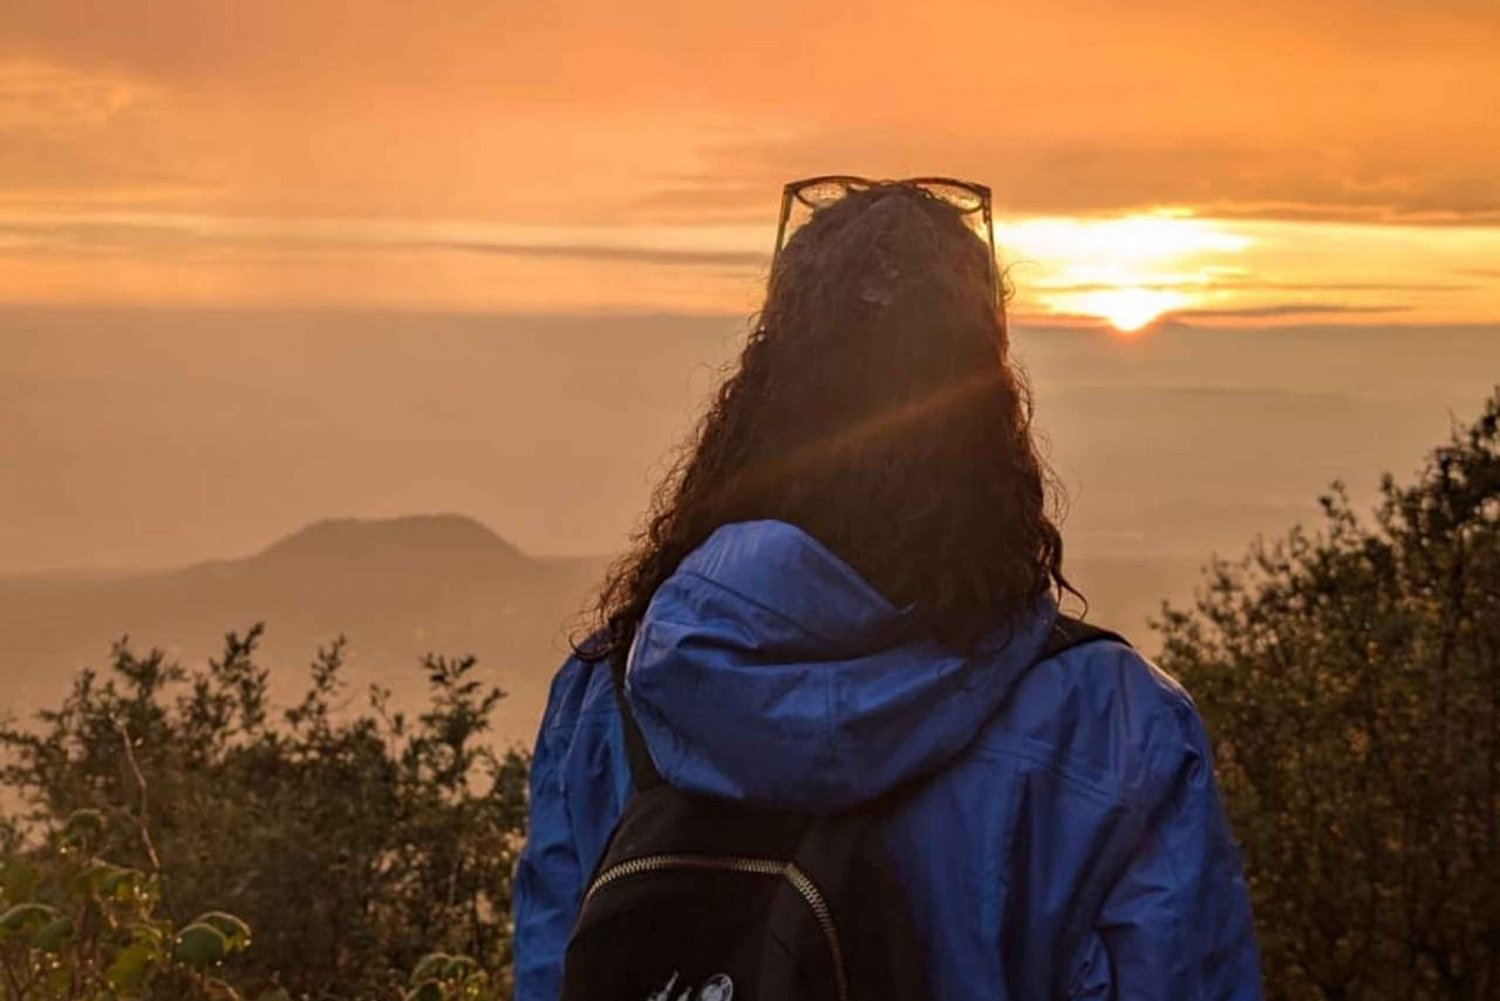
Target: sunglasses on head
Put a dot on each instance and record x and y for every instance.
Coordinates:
(800, 200)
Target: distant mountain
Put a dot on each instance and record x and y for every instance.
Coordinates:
(396, 588)
(434, 535)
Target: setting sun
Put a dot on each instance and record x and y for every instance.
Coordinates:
(1127, 271)
(1130, 309)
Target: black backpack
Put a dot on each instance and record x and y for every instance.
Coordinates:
(704, 899)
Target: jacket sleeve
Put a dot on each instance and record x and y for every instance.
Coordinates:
(548, 877)
(1175, 921)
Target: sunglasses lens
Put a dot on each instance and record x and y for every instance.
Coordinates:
(962, 198)
(822, 193)
(969, 203)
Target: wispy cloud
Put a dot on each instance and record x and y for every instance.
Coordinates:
(707, 246)
(1220, 284)
(1283, 309)
(645, 255)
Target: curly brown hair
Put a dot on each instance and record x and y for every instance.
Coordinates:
(876, 407)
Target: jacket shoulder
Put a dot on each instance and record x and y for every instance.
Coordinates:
(1110, 664)
(1106, 714)
(570, 810)
(580, 689)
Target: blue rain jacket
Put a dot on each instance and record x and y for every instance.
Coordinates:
(1070, 842)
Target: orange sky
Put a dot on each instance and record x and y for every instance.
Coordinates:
(1275, 162)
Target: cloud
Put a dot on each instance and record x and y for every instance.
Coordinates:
(1216, 284)
(666, 109)
(70, 136)
(1418, 212)
(1045, 170)
(1284, 309)
(646, 255)
(165, 232)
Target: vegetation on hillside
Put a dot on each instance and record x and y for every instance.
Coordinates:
(73, 925)
(1350, 677)
(365, 853)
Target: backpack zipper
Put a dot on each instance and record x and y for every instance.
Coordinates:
(789, 871)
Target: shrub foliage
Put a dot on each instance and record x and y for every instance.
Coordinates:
(355, 844)
(1351, 679)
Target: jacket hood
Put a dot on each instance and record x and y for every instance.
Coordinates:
(766, 669)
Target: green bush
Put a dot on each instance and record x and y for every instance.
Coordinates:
(353, 843)
(1351, 680)
(73, 925)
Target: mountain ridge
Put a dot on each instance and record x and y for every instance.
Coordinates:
(396, 588)
(440, 531)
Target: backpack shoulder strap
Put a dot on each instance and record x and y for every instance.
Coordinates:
(643, 773)
(1068, 632)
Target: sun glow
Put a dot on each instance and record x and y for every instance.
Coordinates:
(1129, 271)
(1130, 309)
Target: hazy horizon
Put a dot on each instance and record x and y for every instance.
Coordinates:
(164, 440)
(159, 438)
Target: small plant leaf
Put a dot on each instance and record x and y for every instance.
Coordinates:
(26, 916)
(427, 990)
(84, 822)
(18, 879)
(82, 827)
(131, 966)
(459, 967)
(201, 945)
(51, 936)
(430, 967)
(236, 933)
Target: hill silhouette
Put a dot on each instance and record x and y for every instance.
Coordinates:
(448, 535)
(397, 588)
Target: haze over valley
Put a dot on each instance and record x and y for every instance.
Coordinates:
(176, 474)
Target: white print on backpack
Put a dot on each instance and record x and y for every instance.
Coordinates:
(716, 988)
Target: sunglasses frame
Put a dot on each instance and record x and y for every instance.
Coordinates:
(792, 192)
